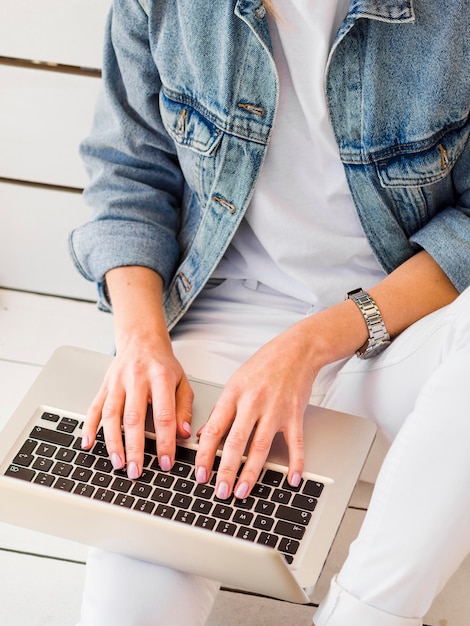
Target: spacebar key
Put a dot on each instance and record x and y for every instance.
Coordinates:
(51, 436)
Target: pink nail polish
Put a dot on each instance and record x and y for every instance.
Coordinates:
(133, 471)
(187, 427)
(201, 475)
(116, 461)
(241, 491)
(295, 480)
(85, 442)
(165, 463)
(223, 491)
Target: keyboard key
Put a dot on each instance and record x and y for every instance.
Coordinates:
(62, 469)
(85, 459)
(204, 491)
(163, 510)
(124, 500)
(186, 455)
(50, 417)
(293, 515)
(44, 479)
(226, 528)
(243, 517)
(161, 495)
(44, 449)
(308, 503)
(248, 534)
(101, 480)
(64, 484)
(222, 511)
(51, 436)
(42, 464)
(265, 507)
(263, 523)
(65, 454)
(144, 506)
(104, 465)
(181, 469)
(205, 522)
(82, 474)
(268, 539)
(281, 496)
(104, 495)
(312, 488)
(202, 506)
(185, 516)
(289, 546)
(182, 501)
(121, 484)
(183, 485)
(295, 531)
(84, 490)
(272, 478)
(25, 456)
(163, 480)
(285, 485)
(246, 503)
(141, 490)
(100, 449)
(261, 491)
(147, 476)
(67, 425)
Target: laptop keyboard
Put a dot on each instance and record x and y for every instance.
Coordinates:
(274, 514)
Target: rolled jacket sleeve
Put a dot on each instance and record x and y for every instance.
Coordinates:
(136, 185)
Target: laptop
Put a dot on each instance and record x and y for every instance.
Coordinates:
(274, 543)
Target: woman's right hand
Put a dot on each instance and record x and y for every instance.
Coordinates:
(144, 371)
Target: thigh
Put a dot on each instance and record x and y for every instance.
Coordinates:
(386, 388)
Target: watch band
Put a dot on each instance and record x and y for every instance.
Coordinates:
(379, 338)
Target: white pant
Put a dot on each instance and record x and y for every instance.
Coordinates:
(416, 531)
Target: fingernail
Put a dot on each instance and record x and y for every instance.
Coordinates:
(132, 470)
(223, 491)
(241, 491)
(187, 427)
(201, 474)
(165, 463)
(85, 441)
(295, 480)
(116, 461)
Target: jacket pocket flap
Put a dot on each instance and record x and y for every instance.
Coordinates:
(416, 166)
(189, 127)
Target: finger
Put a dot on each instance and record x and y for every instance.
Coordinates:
(164, 418)
(93, 419)
(133, 420)
(294, 438)
(111, 416)
(184, 407)
(256, 458)
(210, 436)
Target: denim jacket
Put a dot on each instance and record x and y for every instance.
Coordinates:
(184, 119)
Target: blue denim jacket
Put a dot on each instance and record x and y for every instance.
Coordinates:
(188, 102)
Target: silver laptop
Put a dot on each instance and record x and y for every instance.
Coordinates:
(274, 542)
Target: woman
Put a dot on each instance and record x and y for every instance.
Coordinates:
(247, 171)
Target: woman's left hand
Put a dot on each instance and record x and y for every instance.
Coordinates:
(266, 395)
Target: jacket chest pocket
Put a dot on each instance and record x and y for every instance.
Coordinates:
(422, 163)
(188, 126)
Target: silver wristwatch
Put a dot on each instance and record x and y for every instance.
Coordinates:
(379, 338)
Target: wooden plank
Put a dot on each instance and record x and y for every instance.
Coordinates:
(68, 32)
(43, 118)
(34, 253)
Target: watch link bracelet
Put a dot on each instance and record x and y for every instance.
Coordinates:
(379, 338)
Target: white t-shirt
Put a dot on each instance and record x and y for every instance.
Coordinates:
(301, 234)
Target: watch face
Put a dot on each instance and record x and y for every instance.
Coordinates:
(373, 350)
